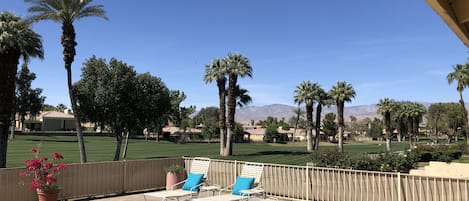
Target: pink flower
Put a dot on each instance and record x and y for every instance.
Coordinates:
(23, 174)
(34, 150)
(44, 159)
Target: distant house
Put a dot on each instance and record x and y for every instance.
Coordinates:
(179, 134)
(48, 121)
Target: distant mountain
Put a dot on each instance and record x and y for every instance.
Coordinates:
(256, 113)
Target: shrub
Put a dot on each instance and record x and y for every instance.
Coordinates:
(443, 153)
(379, 162)
(175, 169)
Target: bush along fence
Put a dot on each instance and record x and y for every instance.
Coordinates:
(282, 181)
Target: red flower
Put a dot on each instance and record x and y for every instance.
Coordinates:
(61, 166)
(44, 173)
(48, 165)
(57, 156)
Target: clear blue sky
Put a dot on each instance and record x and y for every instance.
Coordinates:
(399, 49)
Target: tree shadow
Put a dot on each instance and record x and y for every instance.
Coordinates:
(51, 140)
(276, 153)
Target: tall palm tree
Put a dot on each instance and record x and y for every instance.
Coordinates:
(341, 92)
(216, 72)
(237, 66)
(17, 40)
(461, 75)
(66, 12)
(386, 107)
(304, 93)
(321, 98)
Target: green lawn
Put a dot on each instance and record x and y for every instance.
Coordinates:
(102, 149)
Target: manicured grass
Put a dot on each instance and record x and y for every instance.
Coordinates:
(102, 149)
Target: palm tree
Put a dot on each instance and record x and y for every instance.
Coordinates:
(414, 111)
(242, 96)
(299, 113)
(461, 75)
(66, 12)
(304, 93)
(386, 107)
(17, 40)
(237, 66)
(342, 92)
(216, 72)
(321, 98)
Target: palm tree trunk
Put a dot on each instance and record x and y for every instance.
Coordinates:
(8, 68)
(465, 119)
(222, 115)
(340, 119)
(68, 43)
(309, 127)
(318, 126)
(387, 119)
(233, 78)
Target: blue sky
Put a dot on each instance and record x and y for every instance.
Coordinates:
(399, 49)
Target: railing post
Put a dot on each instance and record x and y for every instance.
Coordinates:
(236, 170)
(307, 181)
(399, 187)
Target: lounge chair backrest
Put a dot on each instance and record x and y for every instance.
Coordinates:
(200, 165)
(254, 170)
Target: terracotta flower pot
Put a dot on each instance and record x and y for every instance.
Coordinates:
(173, 178)
(47, 195)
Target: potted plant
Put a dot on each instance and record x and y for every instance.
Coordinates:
(175, 174)
(44, 174)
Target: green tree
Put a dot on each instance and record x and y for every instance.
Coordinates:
(60, 107)
(329, 126)
(387, 106)
(216, 72)
(121, 99)
(48, 107)
(375, 128)
(341, 92)
(237, 66)
(271, 133)
(208, 118)
(17, 41)
(437, 119)
(455, 118)
(91, 91)
(461, 75)
(304, 93)
(66, 12)
(28, 100)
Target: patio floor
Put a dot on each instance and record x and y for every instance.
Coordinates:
(139, 197)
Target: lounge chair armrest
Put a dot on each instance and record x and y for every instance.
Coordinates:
(174, 185)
